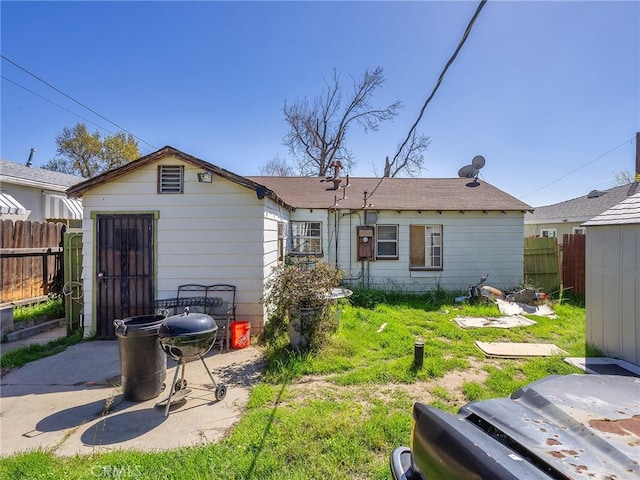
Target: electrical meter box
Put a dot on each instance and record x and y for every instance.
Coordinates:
(365, 243)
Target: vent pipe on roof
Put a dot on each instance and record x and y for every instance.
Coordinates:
(595, 194)
(30, 161)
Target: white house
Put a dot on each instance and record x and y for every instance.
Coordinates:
(613, 280)
(36, 194)
(567, 217)
(169, 218)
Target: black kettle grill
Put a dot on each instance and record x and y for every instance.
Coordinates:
(184, 338)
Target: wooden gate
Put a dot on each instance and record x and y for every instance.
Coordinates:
(72, 289)
(573, 263)
(541, 263)
(125, 269)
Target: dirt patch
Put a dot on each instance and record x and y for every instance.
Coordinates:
(322, 387)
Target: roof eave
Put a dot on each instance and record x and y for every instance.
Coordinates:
(79, 189)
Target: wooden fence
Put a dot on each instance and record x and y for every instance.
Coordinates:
(30, 259)
(541, 263)
(573, 263)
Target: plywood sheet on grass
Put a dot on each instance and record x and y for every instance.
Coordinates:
(517, 350)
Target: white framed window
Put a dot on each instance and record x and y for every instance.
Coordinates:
(548, 232)
(170, 179)
(306, 238)
(578, 230)
(387, 242)
(425, 247)
(282, 240)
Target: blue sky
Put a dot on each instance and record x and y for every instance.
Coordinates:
(547, 92)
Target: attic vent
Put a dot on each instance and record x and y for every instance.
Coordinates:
(595, 194)
(170, 178)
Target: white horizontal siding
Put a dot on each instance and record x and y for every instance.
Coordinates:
(212, 233)
(473, 244)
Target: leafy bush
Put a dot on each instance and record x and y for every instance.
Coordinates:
(366, 298)
(301, 284)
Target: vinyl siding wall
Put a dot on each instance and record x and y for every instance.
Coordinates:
(613, 286)
(473, 243)
(533, 229)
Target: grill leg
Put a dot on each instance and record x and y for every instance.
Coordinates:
(215, 385)
(171, 389)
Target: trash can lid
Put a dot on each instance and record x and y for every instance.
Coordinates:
(141, 325)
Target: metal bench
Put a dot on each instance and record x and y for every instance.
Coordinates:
(217, 300)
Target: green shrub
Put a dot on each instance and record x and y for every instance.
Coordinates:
(52, 308)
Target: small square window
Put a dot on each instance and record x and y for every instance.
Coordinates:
(548, 233)
(306, 238)
(170, 179)
(387, 242)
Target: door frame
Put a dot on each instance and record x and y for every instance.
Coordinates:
(155, 214)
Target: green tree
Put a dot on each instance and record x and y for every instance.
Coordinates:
(86, 154)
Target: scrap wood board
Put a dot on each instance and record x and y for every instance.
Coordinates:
(517, 350)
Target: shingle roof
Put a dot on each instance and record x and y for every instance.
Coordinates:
(582, 208)
(316, 192)
(392, 193)
(17, 173)
(624, 213)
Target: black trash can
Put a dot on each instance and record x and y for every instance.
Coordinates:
(143, 363)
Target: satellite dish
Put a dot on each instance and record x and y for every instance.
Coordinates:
(472, 171)
(478, 161)
(468, 171)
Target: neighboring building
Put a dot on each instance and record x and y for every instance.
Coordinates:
(169, 218)
(568, 217)
(37, 194)
(613, 280)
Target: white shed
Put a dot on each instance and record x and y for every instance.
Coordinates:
(613, 280)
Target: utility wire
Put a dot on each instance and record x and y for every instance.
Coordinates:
(435, 89)
(54, 103)
(579, 168)
(74, 100)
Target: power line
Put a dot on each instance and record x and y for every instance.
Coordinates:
(435, 89)
(54, 103)
(579, 168)
(76, 101)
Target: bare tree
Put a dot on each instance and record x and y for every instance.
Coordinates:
(277, 167)
(624, 177)
(410, 159)
(318, 130)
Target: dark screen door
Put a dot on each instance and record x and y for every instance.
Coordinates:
(125, 269)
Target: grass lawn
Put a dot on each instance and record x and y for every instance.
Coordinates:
(339, 413)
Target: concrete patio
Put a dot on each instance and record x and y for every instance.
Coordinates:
(71, 403)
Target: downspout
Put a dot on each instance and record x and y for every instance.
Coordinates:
(335, 221)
